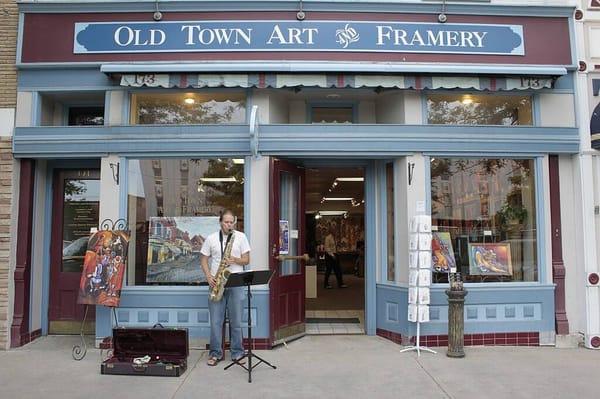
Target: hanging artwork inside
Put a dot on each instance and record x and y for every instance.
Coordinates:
(490, 259)
(441, 252)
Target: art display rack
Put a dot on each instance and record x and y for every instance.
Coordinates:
(419, 279)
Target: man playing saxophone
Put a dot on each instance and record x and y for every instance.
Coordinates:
(213, 260)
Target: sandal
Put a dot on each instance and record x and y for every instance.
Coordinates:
(213, 361)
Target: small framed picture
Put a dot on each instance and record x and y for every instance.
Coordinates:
(490, 259)
(442, 252)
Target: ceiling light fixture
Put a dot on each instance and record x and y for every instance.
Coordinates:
(189, 100)
(350, 179)
(467, 100)
(332, 213)
(218, 179)
(337, 198)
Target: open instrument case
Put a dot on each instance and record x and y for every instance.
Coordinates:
(159, 352)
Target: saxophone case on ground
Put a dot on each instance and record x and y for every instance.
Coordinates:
(167, 348)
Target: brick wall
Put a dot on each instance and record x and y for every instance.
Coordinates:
(6, 172)
(8, 44)
(8, 99)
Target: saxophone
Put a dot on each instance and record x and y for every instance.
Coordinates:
(216, 293)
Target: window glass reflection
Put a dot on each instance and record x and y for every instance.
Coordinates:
(472, 109)
(174, 204)
(188, 108)
(484, 219)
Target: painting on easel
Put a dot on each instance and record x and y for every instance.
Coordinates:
(104, 268)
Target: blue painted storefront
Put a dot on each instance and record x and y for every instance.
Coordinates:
(506, 307)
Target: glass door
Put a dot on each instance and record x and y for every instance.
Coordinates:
(287, 248)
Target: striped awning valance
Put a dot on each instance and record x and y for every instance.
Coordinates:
(335, 81)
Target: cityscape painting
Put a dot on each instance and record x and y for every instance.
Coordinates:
(174, 247)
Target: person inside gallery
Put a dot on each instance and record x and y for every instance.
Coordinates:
(332, 261)
(212, 251)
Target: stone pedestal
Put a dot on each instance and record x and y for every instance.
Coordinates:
(456, 323)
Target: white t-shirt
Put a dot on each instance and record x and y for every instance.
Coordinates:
(212, 248)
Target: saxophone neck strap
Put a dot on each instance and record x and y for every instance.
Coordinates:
(226, 242)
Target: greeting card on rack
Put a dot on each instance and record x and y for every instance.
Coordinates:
(424, 296)
(412, 313)
(413, 225)
(425, 241)
(424, 223)
(424, 278)
(413, 259)
(413, 277)
(412, 295)
(413, 244)
(423, 313)
(424, 260)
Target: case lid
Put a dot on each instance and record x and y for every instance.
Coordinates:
(164, 342)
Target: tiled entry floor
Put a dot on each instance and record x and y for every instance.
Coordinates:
(332, 327)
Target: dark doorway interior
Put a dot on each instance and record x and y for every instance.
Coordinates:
(335, 214)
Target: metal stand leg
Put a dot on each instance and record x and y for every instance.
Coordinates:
(418, 346)
(249, 355)
(79, 351)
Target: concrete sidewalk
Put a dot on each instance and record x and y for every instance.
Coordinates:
(350, 366)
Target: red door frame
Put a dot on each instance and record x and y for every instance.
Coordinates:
(20, 334)
(58, 279)
(283, 313)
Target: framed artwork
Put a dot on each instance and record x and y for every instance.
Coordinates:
(490, 259)
(104, 268)
(174, 245)
(442, 254)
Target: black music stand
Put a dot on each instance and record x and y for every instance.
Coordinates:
(246, 279)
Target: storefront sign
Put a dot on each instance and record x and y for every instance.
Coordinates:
(264, 36)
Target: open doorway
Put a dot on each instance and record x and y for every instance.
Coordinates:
(335, 242)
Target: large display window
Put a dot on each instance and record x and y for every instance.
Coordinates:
(479, 109)
(484, 219)
(173, 204)
(193, 108)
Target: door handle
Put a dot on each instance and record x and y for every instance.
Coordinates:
(281, 258)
